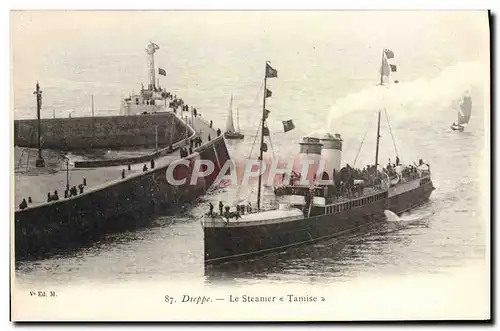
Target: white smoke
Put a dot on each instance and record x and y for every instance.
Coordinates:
(410, 97)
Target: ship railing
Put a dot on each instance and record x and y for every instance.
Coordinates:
(366, 191)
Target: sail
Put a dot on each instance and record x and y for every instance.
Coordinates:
(465, 110)
(229, 123)
(238, 118)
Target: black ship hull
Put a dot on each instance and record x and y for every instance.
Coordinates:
(224, 244)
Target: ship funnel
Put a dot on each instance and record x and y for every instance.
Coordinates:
(331, 153)
(310, 151)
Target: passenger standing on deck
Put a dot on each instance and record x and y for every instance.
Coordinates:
(123, 173)
(209, 138)
(56, 197)
(249, 207)
(152, 163)
(218, 132)
(195, 113)
(211, 122)
(145, 168)
(221, 207)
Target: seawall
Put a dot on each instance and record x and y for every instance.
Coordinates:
(114, 206)
(113, 132)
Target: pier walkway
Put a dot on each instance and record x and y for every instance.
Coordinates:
(37, 183)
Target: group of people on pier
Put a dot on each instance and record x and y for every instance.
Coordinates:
(196, 142)
(69, 192)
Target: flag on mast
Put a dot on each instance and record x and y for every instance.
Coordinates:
(288, 125)
(266, 113)
(268, 93)
(162, 72)
(388, 65)
(388, 53)
(271, 72)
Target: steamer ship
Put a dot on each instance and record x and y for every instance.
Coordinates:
(304, 213)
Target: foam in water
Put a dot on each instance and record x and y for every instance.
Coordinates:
(391, 217)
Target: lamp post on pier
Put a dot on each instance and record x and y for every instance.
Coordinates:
(67, 174)
(40, 162)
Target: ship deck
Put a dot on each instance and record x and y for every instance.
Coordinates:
(36, 183)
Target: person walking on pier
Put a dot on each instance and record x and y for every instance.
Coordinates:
(221, 208)
(23, 204)
(152, 163)
(145, 168)
(211, 209)
(123, 173)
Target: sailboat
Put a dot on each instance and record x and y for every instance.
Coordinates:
(231, 133)
(463, 114)
(310, 212)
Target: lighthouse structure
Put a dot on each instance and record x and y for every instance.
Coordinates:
(152, 97)
(152, 48)
(331, 153)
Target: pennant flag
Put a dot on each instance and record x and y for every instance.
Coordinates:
(288, 125)
(270, 72)
(266, 113)
(265, 132)
(162, 72)
(263, 147)
(388, 53)
(388, 65)
(268, 93)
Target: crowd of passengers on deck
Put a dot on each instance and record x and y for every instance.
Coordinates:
(225, 211)
(350, 182)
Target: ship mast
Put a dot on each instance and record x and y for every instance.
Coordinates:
(378, 123)
(262, 135)
(378, 140)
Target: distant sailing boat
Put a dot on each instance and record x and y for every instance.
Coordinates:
(231, 133)
(464, 114)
